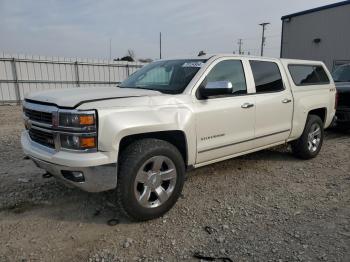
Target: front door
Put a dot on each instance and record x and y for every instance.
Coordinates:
(225, 124)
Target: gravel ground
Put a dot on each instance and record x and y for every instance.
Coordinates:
(266, 206)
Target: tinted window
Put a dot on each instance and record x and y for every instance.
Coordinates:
(168, 76)
(267, 76)
(229, 70)
(308, 75)
(339, 63)
(342, 74)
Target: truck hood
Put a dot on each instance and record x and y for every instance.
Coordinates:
(73, 97)
(343, 87)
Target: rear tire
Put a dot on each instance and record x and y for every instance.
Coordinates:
(150, 178)
(309, 144)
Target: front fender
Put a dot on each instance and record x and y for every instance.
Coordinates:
(114, 125)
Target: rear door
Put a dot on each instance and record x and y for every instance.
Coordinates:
(274, 103)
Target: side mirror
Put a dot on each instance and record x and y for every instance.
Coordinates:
(215, 88)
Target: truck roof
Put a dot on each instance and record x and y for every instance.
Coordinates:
(219, 55)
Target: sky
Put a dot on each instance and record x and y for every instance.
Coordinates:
(85, 28)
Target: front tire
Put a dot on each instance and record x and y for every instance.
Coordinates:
(309, 144)
(150, 178)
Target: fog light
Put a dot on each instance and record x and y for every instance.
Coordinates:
(75, 176)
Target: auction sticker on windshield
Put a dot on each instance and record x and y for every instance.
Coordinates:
(192, 64)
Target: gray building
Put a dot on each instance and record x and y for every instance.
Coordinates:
(318, 34)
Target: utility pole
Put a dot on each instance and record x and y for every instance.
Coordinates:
(263, 37)
(110, 58)
(160, 45)
(240, 43)
(110, 49)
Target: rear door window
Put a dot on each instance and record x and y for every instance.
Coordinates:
(304, 75)
(267, 76)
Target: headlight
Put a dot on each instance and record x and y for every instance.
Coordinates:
(77, 120)
(77, 142)
(80, 130)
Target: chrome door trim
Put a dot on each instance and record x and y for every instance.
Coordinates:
(232, 144)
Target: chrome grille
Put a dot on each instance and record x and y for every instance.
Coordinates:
(38, 116)
(42, 124)
(44, 138)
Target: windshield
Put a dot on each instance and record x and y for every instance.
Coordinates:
(342, 74)
(170, 76)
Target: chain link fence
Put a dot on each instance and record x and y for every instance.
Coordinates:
(20, 74)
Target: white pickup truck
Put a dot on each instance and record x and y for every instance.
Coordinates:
(172, 115)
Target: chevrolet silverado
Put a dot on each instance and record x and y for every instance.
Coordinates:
(140, 137)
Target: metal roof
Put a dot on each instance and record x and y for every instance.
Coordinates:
(316, 9)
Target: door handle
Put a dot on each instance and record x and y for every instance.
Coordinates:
(286, 101)
(247, 105)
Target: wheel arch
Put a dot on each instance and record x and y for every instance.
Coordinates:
(175, 137)
(300, 119)
(321, 112)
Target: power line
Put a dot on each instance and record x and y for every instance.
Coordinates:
(265, 48)
(249, 38)
(258, 37)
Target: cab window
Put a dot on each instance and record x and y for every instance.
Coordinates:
(229, 70)
(267, 76)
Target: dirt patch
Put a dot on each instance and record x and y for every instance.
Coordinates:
(20, 207)
(266, 206)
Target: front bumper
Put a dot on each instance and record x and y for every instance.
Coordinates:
(96, 179)
(98, 171)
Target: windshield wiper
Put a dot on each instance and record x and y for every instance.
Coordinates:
(144, 88)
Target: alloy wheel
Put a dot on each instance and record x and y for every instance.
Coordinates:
(155, 181)
(314, 138)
